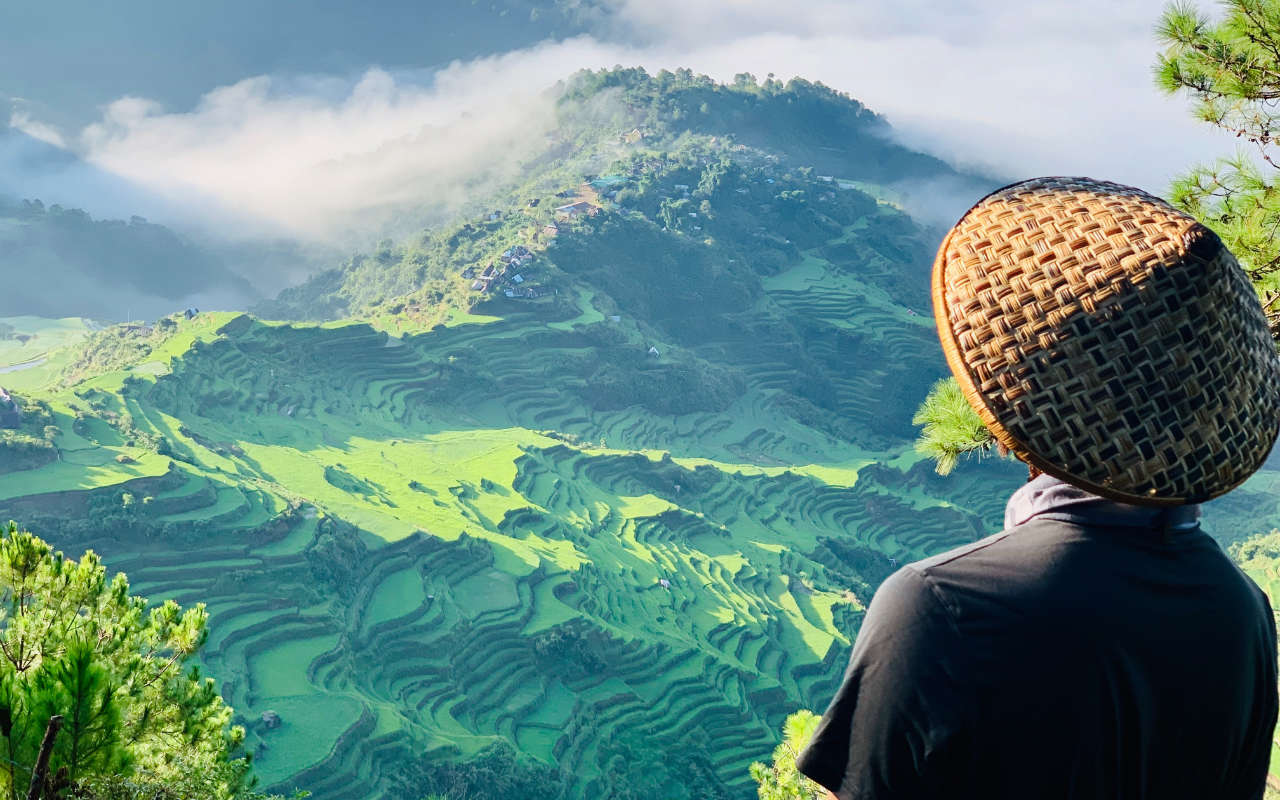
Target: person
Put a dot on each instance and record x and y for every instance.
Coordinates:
(1102, 645)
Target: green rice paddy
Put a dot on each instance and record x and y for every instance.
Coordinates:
(697, 556)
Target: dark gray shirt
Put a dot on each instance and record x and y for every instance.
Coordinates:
(1084, 653)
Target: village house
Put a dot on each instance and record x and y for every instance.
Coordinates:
(550, 229)
(574, 210)
(10, 414)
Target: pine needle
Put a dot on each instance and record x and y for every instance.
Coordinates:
(951, 427)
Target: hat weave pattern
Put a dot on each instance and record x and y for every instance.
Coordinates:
(1108, 339)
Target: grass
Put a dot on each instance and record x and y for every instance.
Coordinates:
(398, 594)
(274, 672)
(310, 726)
(40, 338)
(590, 314)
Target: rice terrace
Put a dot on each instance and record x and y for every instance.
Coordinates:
(591, 481)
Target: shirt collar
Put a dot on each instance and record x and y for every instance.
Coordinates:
(1047, 497)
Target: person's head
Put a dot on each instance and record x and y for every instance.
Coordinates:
(1109, 340)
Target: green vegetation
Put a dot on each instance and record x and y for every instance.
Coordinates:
(951, 427)
(780, 780)
(742, 181)
(27, 434)
(1230, 69)
(77, 645)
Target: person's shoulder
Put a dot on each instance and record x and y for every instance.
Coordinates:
(1256, 594)
(910, 596)
(926, 566)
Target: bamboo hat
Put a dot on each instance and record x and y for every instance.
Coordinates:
(1108, 339)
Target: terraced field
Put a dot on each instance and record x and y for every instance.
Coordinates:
(413, 547)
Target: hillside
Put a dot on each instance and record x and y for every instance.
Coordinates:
(60, 262)
(588, 489)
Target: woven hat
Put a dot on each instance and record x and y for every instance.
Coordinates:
(1108, 339)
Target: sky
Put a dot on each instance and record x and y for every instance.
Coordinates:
(313, 142)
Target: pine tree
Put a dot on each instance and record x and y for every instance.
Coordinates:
(80, 688)
(951, 427)
(781, 780)
(1231, 71)
(74, 644)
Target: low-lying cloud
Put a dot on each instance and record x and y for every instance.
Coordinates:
(1055, 88)
(323, 157)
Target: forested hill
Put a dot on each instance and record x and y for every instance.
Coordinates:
(61, 262)
(751, 172)
(576, 497)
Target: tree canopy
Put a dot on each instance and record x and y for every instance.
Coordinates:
(1230, 70)
(77, 644)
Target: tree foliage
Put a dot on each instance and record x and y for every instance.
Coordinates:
(951, 427)
(1230, 69)
(780, 780)
(74, 643)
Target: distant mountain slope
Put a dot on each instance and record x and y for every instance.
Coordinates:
(57, 262)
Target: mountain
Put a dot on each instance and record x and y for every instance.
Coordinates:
(576, 496)
(62, 262)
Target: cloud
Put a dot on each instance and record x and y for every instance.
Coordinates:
(325, 158)
(1055, 88)
(1040, 88)
(23, 121)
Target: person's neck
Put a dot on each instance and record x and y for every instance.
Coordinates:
(1047, 497)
